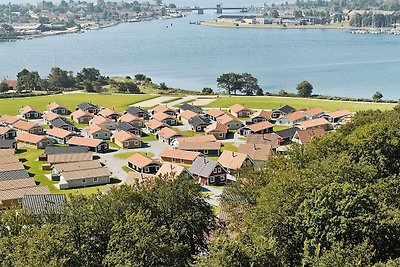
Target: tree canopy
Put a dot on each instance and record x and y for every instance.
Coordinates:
(233, 83)
(304, 89)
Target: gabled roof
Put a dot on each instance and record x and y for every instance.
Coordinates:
(197, 138)
(161, 109)
(160, 116)
(84, 174)
(7, 143)
(128, 117)
(53, 106)
(51, 116)
(203, 167)
(154, 124)
(215, 112)
(135, 110)
(216, 127)
(80, 113)
(199, 120)
(8, 159)
(188, 114)
(287, 133)
(27, 109)
(25, 125)
(70, 157)
(190, 107)
(167, 132)
(256, 151)
(95, 128)
(314, 111)
(7, 119)
(83, 141)
(140, 160)
(266, 139)
(76, 166)
(123, 136)
(13, 166)
(339, 113)
(58, 132)
(11, 83)
(60, 122)
(18, 193)
(51, 150)
(295, 115)
(17, 183)
(86, 105)
(286, 109)
(224, 119)
(313, 123)
(30, 138)
(179, 154)
(237, 108)
(171, 169)
(126, 126)
(107, 112)
(262, 113)
(232, 160)
(13, 175)
(305, 136)
(7, 152)
(4, 130)
(43, 204)
(259, 126)
(100, 120)
(200, 146)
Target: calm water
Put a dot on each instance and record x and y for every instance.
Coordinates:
(189, 56)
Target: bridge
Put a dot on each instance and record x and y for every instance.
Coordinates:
(218, 8)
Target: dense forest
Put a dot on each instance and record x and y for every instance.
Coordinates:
(334, 202)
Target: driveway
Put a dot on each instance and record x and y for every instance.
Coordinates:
(114, 165)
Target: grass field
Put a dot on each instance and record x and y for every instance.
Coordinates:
(229, 146)
(35, 167)
(266, 102)
(280, 128)
(150, 137)
(118, 101)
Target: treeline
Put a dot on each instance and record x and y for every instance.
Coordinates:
(336, 5)
(335, 202)
(164, 223)
(59, 80)
(374, 20)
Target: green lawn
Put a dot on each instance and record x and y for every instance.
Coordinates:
(125, 155)
(118, 101)
(267, 102)
(126, 169)
(148, 138)
(35, 167)
(113, 145)
(188, 133)
(229, 146)
(280, 127)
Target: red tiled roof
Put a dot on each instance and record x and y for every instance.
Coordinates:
(80, 113)
(107, 112)
(305, 136)
(4, 130)
(340, 113)
(215, 112)
(263, 114)
(224, 119)
(216, 127)
(295, 115)
(197, 138)
(167, 132)
(53, 106)
(83, 141)
(27, 109)
(232, 160)
(161, 116)
(9, 119)
(51, 116)
(140, 160)
(260, 126)
(161, 108)
(25, 125)
(188, 114)
(30, 138)
(154, 124)
(128, 117)
(58, 132)
(123, 136)
(237, 108)
(94, 128)
(313, 123)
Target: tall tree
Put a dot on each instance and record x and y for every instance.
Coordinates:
(28, 81)
(304, 89)
(230, 82)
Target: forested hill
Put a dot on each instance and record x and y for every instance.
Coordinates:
(335, 5)
(335, 202)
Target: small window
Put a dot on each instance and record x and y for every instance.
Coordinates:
(95, 180)
(147, 169)
(83, 180)
(126, 143)
(215, 170)
(199, 128)
(222, 178)
(205, 151)
(96, 135)
(172, 121)
(221, 135)
(212, 180)
(173, 159)
(137, 143)
(219, 169)
(140, 123)
(182, 160)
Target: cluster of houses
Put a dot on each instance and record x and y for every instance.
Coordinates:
(73, 140)
(197, 153)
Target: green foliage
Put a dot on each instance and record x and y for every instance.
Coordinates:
(163, 222)
(235, 82)
(304, 89)
(28, 81)
(59, 78)
(377, 96)
(334, 202)
(4, 87)
(207, 91)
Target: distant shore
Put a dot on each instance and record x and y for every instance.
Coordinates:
(275, 26)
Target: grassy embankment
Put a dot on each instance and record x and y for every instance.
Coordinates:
(117, 101)
(267, 102)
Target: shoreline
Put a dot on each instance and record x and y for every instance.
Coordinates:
(275, 26)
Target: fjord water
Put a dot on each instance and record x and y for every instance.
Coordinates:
(191, 56)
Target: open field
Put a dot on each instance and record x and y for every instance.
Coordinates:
(118, 101)
(269, 102)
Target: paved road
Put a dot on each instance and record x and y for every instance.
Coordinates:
(114, 165)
